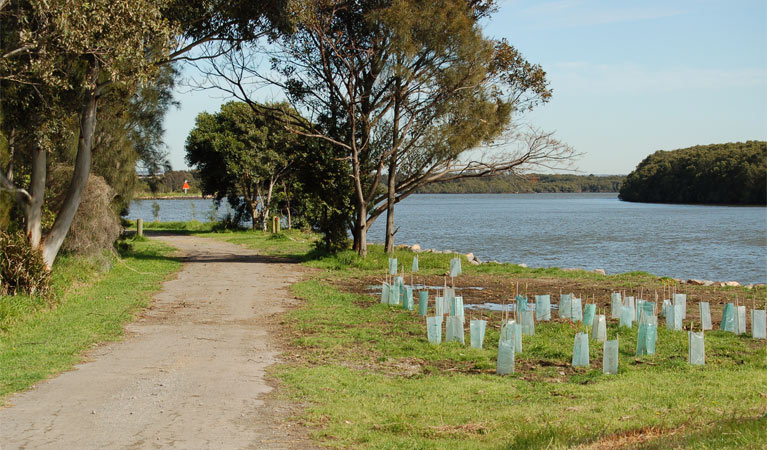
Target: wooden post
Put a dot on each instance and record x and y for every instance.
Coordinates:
(140, 227)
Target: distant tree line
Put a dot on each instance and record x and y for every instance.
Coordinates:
(168, 182)
(512, 184)
(732, 173)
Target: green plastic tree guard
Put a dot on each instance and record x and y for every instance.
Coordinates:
(455, 267)
(758, 324)
(565, 301)
(615, 305)
(705, 316)
(646, 311)
(674, 317)
(407, 298)
(385, 293)
(599, 328)
(423, 302)
(664, 308)
(740, 319)
(581, 350)
(439, 306)
(697, 351)
(394, 293)
(647, 336)
(629, 303)
(477, 330)
(728, 317)
(521, 303)
(516, 332)
(454, 329)
(414, 267)
(576, 313)
(588, 314)
(528, 322)
(681, 299)
(627, 316)
(392, 266)
(542, 307)
(505, 363)
(434, 329)
(610, 358)
(506, 332)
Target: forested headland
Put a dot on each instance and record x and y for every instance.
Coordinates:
(513, 184)
(731, 173)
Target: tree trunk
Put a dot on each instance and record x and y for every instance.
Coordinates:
(287, 201)
(392, 185)
(360, 231)
(33, 208)
(389, 245)
(54, 238)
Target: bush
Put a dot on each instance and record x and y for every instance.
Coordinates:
(22, 269)
(96, 225)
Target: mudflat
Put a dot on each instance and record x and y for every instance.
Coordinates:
(190, 373)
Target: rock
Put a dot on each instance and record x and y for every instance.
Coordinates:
(470, 256)
(474, 262)
(573, 269)
(416, 248)
(522, 265)
(600, 271)
(695, 282)
(749, 286)
(707, 282)
(732, 283)
(720, 284)
(437, 251)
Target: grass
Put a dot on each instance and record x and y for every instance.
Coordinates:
(90, 306)
(370, 379)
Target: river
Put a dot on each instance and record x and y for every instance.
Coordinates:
(589, 231)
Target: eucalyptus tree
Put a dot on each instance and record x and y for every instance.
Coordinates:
(60, 57)
(408, 87)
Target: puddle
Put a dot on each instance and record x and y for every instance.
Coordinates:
(420, 287)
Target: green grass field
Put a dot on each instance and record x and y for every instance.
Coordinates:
(94, 298)
(370, 379)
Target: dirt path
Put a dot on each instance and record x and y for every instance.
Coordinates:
(189, 375)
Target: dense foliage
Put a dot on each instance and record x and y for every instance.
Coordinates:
(512, 184)
(732, 173)
(22, 269)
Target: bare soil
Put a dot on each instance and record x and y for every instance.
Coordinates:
(496, 288)
(190, 373)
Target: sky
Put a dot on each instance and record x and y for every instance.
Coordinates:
(628, 77)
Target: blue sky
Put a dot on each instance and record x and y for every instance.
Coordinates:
(629, 77)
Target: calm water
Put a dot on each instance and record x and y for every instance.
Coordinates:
(590, 231)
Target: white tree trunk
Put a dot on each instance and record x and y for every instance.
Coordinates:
(54, 238)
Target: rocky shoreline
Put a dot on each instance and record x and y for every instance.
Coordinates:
(472, 258)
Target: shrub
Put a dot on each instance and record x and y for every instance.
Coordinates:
(96, 225)
(22, 269)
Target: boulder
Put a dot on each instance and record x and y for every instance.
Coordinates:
(707, 282)
(416, 248)
(749, 286)
(474, 262)
(470, 256)
(695, 282)
(732, 283)
(522, 265)
(600, 271)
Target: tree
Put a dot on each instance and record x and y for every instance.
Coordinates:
(242, 152)
(60, 57)
(408, 85)
(70, 53)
